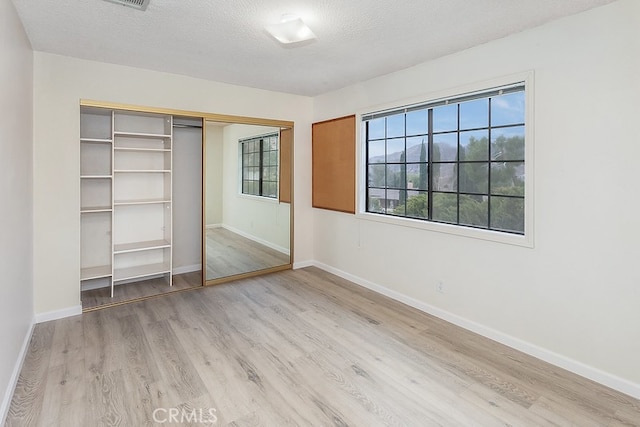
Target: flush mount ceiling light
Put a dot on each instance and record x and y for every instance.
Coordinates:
(291, 29)
(136, 4)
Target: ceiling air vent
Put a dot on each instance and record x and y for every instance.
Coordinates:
(136, 4)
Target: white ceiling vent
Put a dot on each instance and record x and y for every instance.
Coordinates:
(136, 4)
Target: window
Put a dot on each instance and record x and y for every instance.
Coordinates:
(260, 165)
(456, 161)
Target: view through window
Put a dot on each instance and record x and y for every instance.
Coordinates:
(260, 165)
(458, 161)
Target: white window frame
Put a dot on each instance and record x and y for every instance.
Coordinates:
(525, 240)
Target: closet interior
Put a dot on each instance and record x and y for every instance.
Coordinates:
(127, 207)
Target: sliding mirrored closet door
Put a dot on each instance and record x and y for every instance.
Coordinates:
(247, 207)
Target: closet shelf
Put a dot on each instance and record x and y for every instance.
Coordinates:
(142, 171)
(98, 272)
(140, 246)
(95, 209)
(95, 176)
(161, 150)
(140, 271)
(97, 140)
(140, 202)
(140, 135)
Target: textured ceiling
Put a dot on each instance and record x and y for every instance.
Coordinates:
(225, 40)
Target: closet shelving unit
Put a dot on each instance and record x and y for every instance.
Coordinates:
(96, 195)
(140, 203)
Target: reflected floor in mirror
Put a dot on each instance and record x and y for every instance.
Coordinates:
(143, 289)
(229, 253)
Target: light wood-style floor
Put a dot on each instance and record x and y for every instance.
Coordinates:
(229, 253)
(143, 289)
(293, 348)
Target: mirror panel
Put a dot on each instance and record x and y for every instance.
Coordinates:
(247, 207)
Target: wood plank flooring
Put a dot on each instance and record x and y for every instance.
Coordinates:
(292, 348)
(229, 253)
(142, 289)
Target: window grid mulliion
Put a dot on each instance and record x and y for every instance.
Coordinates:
(470, 159)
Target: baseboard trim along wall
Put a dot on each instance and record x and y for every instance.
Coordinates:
(58, 314)
(95, 284)
(13, 381)
(303, 264)
(268, 244)
(187, 269)
(620, 384)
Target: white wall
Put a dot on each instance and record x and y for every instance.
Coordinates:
(575, 294)
(187, 199)
(262, 219)
(16, 192)
(59, 84)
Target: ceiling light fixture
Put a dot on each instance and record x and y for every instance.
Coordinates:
(291, 29)
(136, 4)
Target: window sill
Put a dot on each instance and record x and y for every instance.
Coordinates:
(474, 233)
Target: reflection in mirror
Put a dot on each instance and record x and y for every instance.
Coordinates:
(247, 198)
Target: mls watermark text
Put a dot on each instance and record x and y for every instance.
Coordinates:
(182, 416)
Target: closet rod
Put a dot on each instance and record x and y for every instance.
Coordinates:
(179, 125)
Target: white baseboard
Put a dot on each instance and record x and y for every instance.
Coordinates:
(95, 284)
(620, 384)
(213, 226)
(303, 264)
(58, 314)
(268, 244)
(13, 381)
(187, 269)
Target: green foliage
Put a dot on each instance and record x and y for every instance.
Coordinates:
(503, 148)
(474, 178)
(416, 207)
(395, 176)
(422, 180)
(473, 210)
(507, 213)
(445, 207)
(476, 149)
(436, 153)
(377, 175)
(414, 180)
(507, 179)
(374, 205)
(402, 198)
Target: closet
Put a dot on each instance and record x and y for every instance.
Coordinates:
(150, 181)
(126, 197)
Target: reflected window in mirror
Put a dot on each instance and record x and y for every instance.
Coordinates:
(260, 165)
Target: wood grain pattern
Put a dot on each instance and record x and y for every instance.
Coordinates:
(286, 153)
(101, 297)
(334, 164)
(229, 254)
(299, 348)
(27, 403)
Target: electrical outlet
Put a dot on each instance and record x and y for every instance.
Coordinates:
(440, 286)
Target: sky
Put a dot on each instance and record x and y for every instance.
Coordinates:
(508, 109)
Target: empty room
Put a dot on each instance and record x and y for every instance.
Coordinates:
(347, 213)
